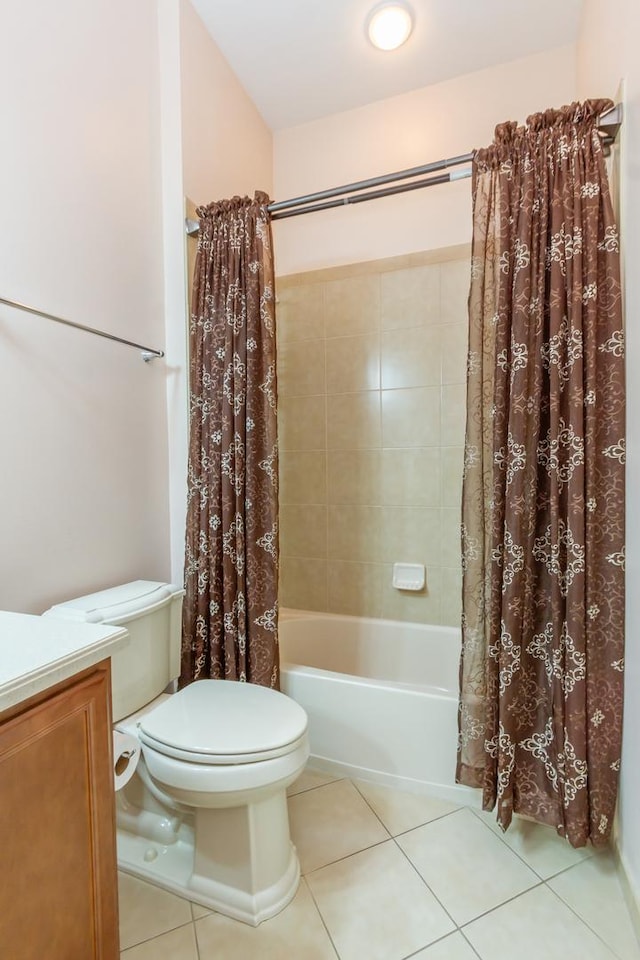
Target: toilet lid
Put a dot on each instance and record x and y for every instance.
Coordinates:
(224, 721)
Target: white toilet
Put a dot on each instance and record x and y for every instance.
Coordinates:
(205, 814)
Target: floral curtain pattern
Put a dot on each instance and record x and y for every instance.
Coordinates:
(230, 610)
(541, 672)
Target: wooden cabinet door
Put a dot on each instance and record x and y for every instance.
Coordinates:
(58, 873)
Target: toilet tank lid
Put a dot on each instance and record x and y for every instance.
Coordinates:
(117, 604)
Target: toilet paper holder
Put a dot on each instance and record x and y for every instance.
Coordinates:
(126, 756)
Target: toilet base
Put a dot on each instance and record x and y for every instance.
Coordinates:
(255, 865)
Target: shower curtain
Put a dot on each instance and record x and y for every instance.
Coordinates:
(231, 556)
(541, 674)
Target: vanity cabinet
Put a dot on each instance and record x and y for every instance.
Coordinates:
(58, 867)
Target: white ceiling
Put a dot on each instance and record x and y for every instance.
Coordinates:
(304, 59)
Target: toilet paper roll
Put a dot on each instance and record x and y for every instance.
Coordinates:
(126, 754)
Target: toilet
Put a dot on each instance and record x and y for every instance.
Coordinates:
(205, 813)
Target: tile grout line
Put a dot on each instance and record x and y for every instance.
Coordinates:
(491, 910)
(402, 832)
(582, 920)
(197, 941)
(471, 946)
(322, 920)
(500, 837)
(155, 937)
(551, 876)
(433, 894)
(516, 896)
(458, 927)
(355, 853)
(316, 786)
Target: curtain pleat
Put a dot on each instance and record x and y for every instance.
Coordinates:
(231, 556)
(541, 673)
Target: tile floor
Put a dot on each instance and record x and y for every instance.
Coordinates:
(390, 875)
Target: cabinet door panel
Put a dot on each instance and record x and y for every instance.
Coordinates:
(58, 898)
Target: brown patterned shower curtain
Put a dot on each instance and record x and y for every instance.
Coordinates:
(543, 504)
(231, 557)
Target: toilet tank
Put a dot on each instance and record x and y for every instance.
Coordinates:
(152, 614)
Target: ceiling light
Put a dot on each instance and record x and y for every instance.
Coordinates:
(389, 25)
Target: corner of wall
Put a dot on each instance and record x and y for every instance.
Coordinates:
(174, 244)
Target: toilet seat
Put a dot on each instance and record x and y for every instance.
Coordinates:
(220, 722)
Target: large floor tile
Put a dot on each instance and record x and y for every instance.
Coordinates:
(453, 947)
(593, 891)
(331, 822)
(376, 906)
(309, 779)
(179, 944)
(468, 868)
(538, 845)
(147, 911)
(296, 932)
(401, 811)
(535, 926)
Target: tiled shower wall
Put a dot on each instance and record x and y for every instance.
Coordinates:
(371, 383)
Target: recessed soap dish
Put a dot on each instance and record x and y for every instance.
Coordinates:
(408, 576)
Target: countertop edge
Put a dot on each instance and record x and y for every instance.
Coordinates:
(27, 685)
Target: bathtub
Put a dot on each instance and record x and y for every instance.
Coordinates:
(381, 696)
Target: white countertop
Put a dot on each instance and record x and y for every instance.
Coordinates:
(38, 652)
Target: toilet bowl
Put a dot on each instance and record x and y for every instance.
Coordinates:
(205, 814)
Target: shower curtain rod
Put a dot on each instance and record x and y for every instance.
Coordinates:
(609, 124)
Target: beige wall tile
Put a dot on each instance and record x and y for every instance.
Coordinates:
(410, 297)
(353, 364)
(302, 423)
(451, 608)
(410, 358)
(353, 421)
(419, 607)
(354, 532)
(453, 344)
(355, 589)
(419, 258)
(355, 476)
(452, 466)
(392, 492)
(411, 477)
(454, 414)
(303, 583)
(455, 280)
(299, 312)
(352, 305)
(411, 535)
(303, 530)
(411, 418)
(303, 477)
(301, 368)
(450, 555)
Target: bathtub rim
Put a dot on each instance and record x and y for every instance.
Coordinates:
(293, 613)
(454, 633)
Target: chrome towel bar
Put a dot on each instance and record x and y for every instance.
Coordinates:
(146, 352)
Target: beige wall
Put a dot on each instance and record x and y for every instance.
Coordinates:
(371, 372)
(84, 449)
(607, 53)
(443, 120)
(111, 113)
(227, 147)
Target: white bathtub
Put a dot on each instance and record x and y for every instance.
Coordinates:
(381, 698)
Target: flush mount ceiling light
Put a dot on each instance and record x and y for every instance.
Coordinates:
(389, 25)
